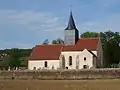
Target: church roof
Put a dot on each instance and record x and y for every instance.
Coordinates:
(46, 52)
(52, 52)
(87, 43)
(71, 23)
(83, 43)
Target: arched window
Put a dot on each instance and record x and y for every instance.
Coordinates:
(45, 64)
(70, 60)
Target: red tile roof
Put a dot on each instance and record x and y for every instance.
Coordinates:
(87, 43)
(68, 48)
(83, 43)
(52, 52)
(46, 52)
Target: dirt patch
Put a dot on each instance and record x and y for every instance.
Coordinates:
(60, 84)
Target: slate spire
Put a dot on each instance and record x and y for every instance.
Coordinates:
(71, 23)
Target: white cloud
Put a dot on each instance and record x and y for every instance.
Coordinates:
(36, 22)
(111, 22)
(30, 20)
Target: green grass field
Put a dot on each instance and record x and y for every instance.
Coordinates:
(60, 85)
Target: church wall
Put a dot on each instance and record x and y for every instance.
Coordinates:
(78, 57)
(41, 64)
(100, 62)
(74, 54)
(95, 52)
(88, 61)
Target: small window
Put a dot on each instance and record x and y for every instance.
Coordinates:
(66, 67)
(70, 60)
(84, 58)
(45, 63)
(85, 66)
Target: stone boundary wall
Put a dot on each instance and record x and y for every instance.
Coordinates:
(61, 74)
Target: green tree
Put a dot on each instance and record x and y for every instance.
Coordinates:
(7, 57)
(89, 34)
(14, 58)
(58, 41)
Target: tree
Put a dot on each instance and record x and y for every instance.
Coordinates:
(89, 34)
(7, 57)
(58, 41)
(46, 41)
(14, 58)
(111, 52)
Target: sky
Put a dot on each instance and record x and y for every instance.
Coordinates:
(26, 23)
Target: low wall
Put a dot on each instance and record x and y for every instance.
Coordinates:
(62, 74)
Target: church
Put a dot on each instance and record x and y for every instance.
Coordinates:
(75, 53)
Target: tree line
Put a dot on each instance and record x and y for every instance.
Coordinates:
(14, 58)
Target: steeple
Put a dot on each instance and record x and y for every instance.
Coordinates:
(71, 23)
(71, 33)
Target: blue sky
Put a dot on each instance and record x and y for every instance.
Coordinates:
(25, 23)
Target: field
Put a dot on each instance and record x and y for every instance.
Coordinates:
(60, 85)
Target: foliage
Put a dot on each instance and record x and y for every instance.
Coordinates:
(89, 34)
(58, 41)
(14, 57)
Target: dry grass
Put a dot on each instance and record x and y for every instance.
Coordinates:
(60, 85)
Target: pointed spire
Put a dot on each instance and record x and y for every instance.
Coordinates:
(71, 23)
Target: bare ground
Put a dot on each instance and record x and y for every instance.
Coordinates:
(60, 84)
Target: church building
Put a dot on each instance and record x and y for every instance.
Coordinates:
(75, 53)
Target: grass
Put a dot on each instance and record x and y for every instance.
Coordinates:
(60, 84)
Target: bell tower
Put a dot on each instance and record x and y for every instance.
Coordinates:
(71, 33)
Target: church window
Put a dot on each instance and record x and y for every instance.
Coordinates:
(85, 66)
(84, 58)
(45, 63)
(70, 60)
(66, 67)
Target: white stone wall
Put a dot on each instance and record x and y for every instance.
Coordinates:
(40, 64)
(74, 54)
(89, 59)
(95, 52)
(78, 58)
